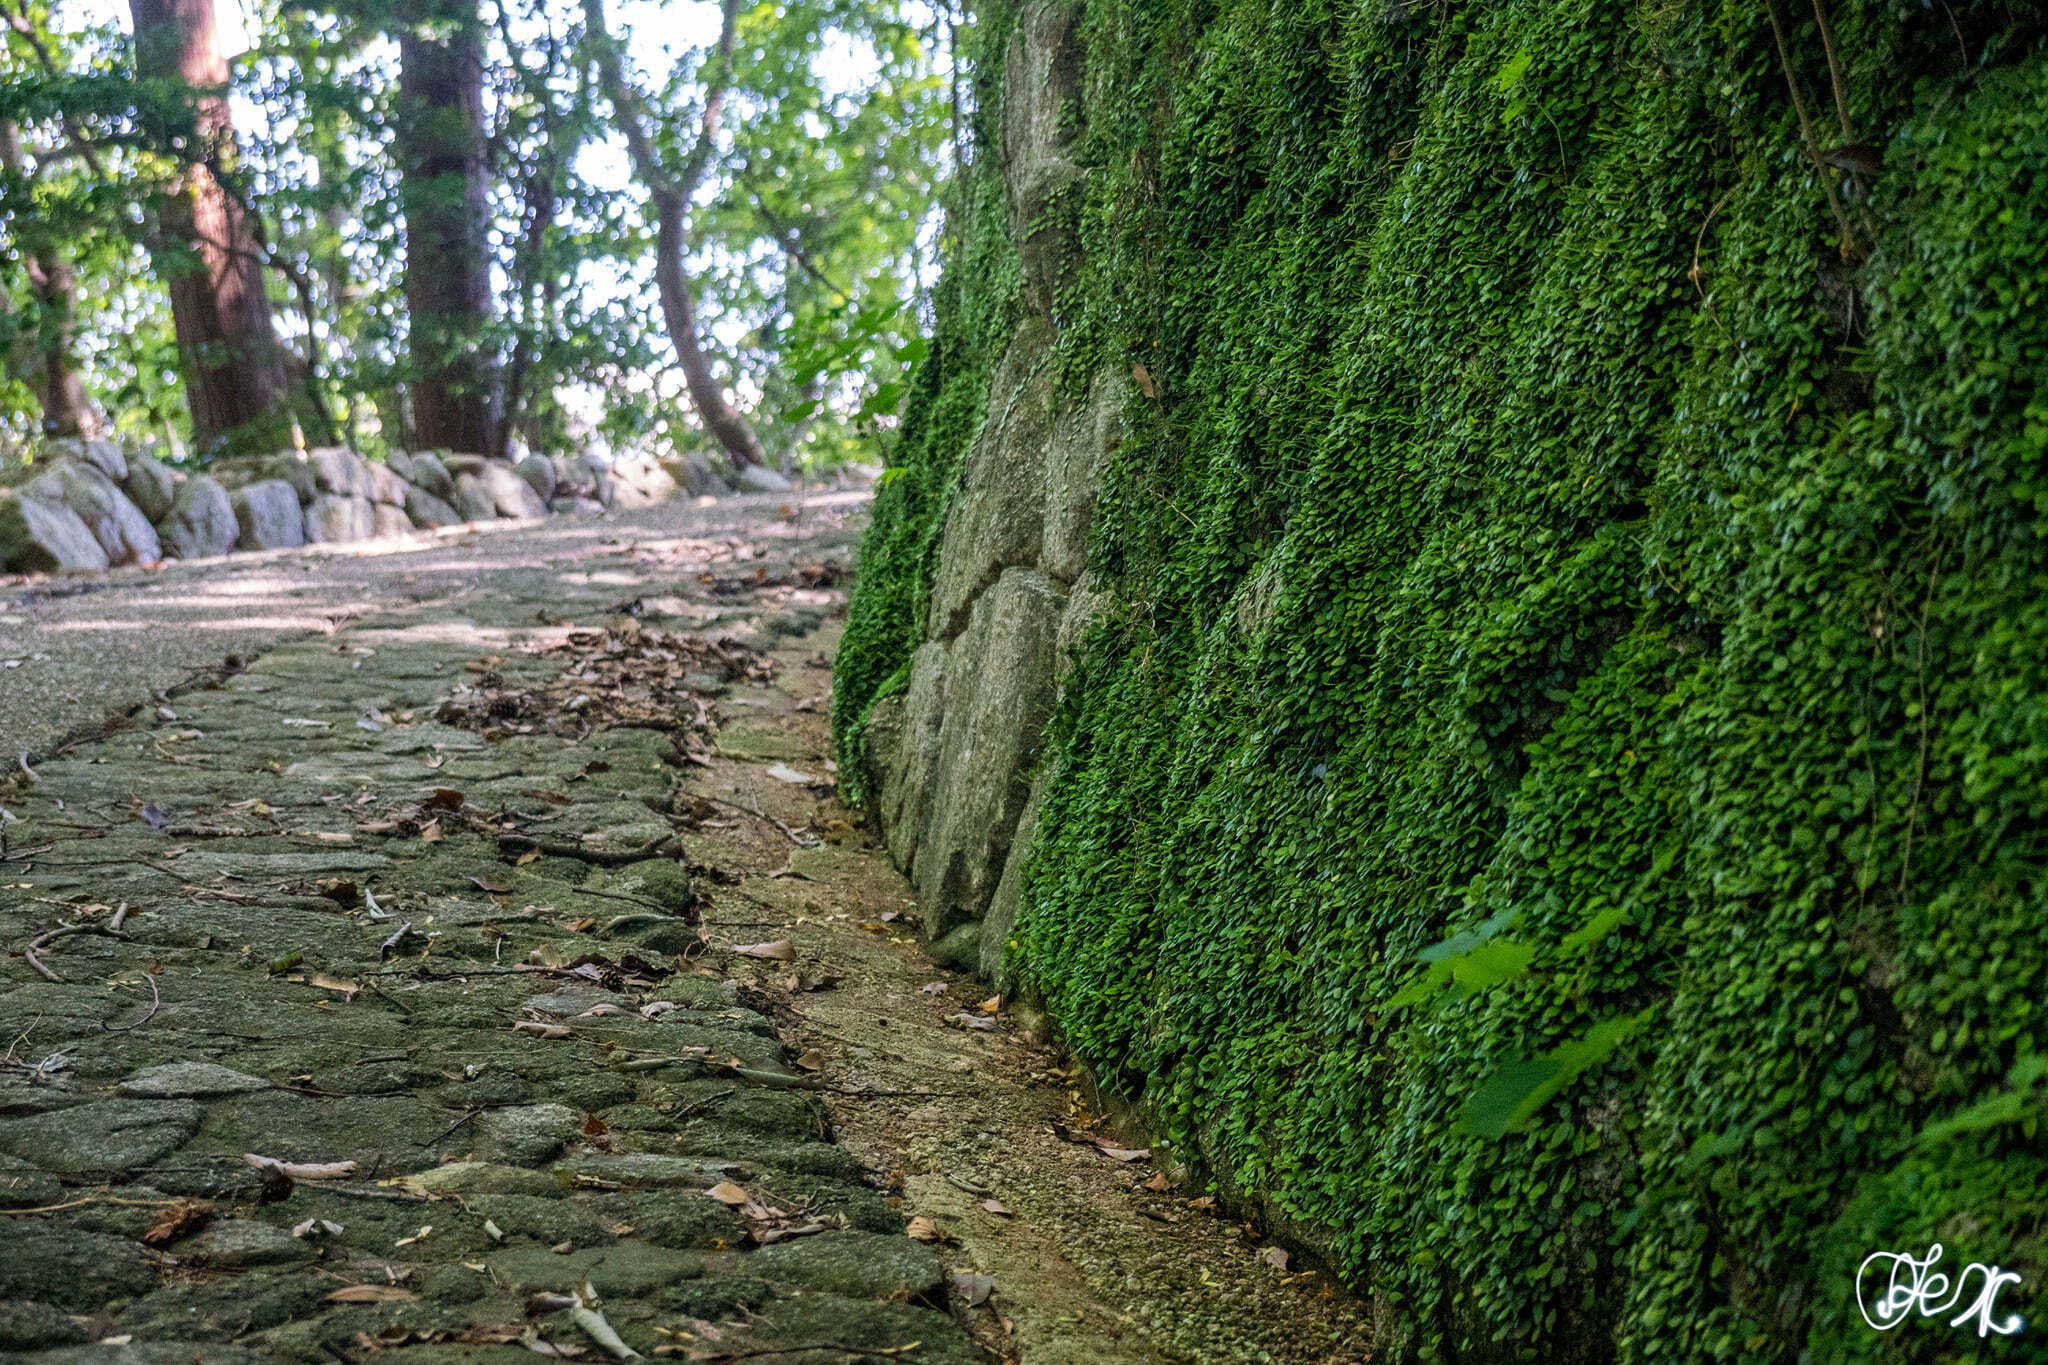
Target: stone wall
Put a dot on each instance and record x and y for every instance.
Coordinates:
(87, 505)
(952, 759)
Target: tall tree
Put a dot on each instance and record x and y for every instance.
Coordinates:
(211, 257)
(444, 191)
(45, 351)
(671, 196)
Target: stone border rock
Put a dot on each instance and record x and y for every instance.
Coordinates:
(86, 505)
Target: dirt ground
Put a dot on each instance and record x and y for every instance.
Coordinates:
(1092, 1255)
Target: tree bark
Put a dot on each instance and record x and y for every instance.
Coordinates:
(47, 358)
(235, 382)
(444, 191)
(671, 199)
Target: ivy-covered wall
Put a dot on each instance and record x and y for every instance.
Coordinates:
(1556, 794)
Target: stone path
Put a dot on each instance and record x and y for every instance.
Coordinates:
(361, 1000)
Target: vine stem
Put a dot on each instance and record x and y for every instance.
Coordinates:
(1806, 133)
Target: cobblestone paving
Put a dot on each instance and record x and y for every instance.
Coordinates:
(353, 1004)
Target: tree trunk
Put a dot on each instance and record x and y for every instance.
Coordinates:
(671, 207)
(235, 382)
(47, 358)
(444, 191)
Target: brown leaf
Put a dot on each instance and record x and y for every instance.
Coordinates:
(1124, 1153)
(181, 1219)
(1159, 1184)
(444, 798)
(1274, 1257)
(372, 1293)
(781, 950)
(594, 1125)
(583, 925)
(431, 833)
(1206, 1203)
(1145, 384)
(729, 1194)
(925, 1230)
(991, 1005)
(523, 859)
(995, 1207)
(552, 798)
(497, 886)
(810, 1059)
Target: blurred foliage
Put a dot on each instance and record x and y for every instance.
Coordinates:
(810, 238)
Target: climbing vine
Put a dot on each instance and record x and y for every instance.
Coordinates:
(1553, 796)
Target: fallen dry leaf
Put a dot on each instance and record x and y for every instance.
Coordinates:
(181, 1219)
(810, 1059)
(431, 832)
(1274, 1257)
(1205, 1203)
(781, 950)
(372, 1293)
(925, 1230)
(996, 1208)
(1124, 1153)
(727, 1193)
(497, 886)
(1159, 1184)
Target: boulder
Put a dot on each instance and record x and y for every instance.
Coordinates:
(424, 509)
(510, 493)
(340, 471)
(573, 477)
(400, 463)
(387, 521)
(759, 478)
(641, 483)
(150, 486)
(201, 522)
(473, 501)
(460, 464)
(268, 515)
(36, 537)
(384, 485)
(335, 518)
(539, 474)
(997, 517)
(104, 456)
(994, 714)
(430, 474)
(285, 466)
(118, 524)
(692, 469)
(576, 504)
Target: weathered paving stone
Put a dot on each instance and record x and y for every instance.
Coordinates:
(259, 1002)
(189, 1080)
(859, 1265)
(109, 1136)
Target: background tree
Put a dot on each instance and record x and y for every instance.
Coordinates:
(445, 193)
(208, 249)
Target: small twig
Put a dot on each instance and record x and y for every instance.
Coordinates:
(436, 1139)
(758, 814)
(93, 1199)
(156, 1001)
(760, 1351)
(695, 1105)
